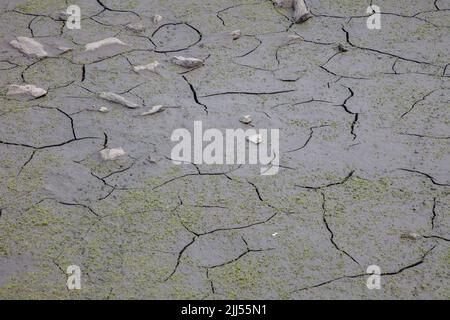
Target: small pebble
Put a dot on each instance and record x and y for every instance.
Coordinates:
(246, 119)
(236, 34)
(410, 236)
(157, 18)
(135, 27)
(256, 139)
(112, 154)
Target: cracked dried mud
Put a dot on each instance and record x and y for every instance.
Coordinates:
(364, 119)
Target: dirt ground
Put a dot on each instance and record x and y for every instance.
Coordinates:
(364, 120)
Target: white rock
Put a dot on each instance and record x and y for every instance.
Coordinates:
(135, 27)
(103, 109)
(157, 19)
(187, 62)
(294, 38)
(236, 34)
(153, 110)
(112, 154)
(104, 43)
(114, 97)
(63, 48)
(151, 67)
(29, 46)
(256, 139)
(301, 12)
(246, 119)
(27, 90)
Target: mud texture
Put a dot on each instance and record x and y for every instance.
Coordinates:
(364, 123)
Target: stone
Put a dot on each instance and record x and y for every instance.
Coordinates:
(114, 97)
(27, 90)
(236, 34)
(246, 119)
(93, 46)
(150, 67)
(112, 154)
(29, 47)
(187, 62)
(153, 110)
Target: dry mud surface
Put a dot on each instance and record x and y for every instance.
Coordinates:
(364, 149)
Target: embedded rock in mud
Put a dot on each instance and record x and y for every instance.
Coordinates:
(301, 12)
(153, 110)
(114, 97)
(236, 34)
(246, 119)
(256, 139)
(29, 47)
(105, 43)
(26, 91)
(187, 62)
(102, 49)
(112, 154)
(150, 67)
(157, 18)
(135, 27)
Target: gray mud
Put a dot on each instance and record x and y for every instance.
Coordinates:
(364, 143)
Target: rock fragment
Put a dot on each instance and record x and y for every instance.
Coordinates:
(410, 236)
(114, 97)
(151, 67)
(153, 110)
(246, 119)
(103, 110)
(29, 46)
(112, 154)
(135, 27)
(236, 34)
(341, 48)
(108, 42)
(63, 48)
(27, 91)
(187, 62)
(256, 138)
(301, 12)
(157, 18)
(293, 38)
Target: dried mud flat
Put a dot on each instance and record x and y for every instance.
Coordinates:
(364, 148)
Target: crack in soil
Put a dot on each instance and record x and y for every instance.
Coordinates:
(347, 37)
(415, 264)
(433, 180)
(330, 184)
(194, 94)
(311, 132)
(354, 114)
(417, 101)
(247, 93)
(200, 36)
(327, 225)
